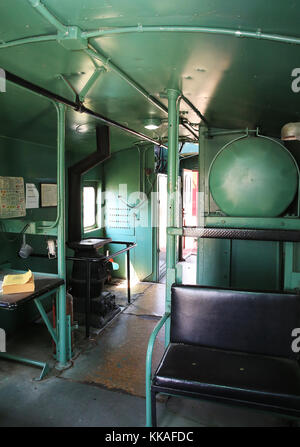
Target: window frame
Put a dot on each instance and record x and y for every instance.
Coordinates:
(95, 186)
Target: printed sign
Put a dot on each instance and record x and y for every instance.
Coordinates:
(12, 197)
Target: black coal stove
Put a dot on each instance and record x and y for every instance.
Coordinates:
(90, 271)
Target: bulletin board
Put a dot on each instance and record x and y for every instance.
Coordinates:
(12, 197)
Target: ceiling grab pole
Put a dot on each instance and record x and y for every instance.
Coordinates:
(173, 122)
(40, 91)
(63, 350)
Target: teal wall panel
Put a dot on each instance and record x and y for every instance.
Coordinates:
(256, 265)
(296, 257)
(214, 262)
(128, 215)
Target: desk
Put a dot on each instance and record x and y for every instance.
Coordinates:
(45, 285)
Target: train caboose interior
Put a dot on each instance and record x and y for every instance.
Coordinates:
(149, 213)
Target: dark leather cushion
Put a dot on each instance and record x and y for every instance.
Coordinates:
(257, 379)
(244, 321)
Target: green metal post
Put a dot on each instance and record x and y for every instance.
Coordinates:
(201, 202)
(172, 190)
(177, 139)
(178, 207)
(63, 337)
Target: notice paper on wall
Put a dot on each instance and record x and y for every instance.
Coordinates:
(12, 197)
(32, 196)
(49, 194)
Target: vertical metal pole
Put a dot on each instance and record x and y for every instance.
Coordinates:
(128, 276)
(62, 351)
(172, 189)
(88, 299)
(178, 207)
(201, 203)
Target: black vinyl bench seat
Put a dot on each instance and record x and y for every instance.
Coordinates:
(233, 347)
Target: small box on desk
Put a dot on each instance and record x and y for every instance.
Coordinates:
(21, 283)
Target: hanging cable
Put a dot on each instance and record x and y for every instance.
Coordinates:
(18, 235)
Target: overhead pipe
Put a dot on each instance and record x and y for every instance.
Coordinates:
(121, 127)
(108, 63)
(192, 131)
(192, 29)
(41, 91)
(93, 53)
(140, 28)
(38, 5)
(217, 133)
(191, 105)
(35, 39)
(63, 30)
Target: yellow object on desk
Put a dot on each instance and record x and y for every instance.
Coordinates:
(21, 283)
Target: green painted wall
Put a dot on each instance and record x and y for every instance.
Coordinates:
(128, 217)
(37, 163)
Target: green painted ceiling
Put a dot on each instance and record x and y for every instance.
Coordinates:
(235, 82)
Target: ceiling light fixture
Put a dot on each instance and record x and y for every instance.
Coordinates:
(152, 123)
(82, 128)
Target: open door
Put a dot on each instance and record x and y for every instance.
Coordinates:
(189, 209)
(162, 223)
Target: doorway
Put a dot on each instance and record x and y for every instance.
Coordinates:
(162, 224)
(189, 210)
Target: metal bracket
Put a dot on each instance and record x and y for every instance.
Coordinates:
(92, 80)
(72, 39)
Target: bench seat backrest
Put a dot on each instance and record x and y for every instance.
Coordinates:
(254, 322)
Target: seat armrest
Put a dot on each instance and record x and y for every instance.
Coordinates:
(151, 342)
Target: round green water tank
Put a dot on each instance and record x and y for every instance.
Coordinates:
(253, 177)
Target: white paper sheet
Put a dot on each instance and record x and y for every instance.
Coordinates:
(32, 196)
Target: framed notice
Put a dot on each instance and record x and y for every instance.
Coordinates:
(12, 197)
(48, 194)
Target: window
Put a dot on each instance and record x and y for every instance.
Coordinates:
(89, 207)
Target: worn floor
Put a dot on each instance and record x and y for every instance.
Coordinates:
(105, 385)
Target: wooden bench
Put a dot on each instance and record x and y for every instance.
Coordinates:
(229, 346)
